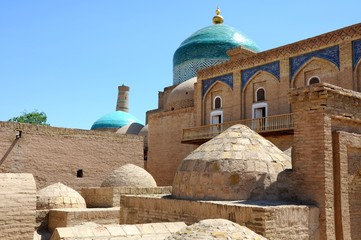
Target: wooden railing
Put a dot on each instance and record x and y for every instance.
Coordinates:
(260, 125)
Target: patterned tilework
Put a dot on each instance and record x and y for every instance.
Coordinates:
(189, 69)
(227, 79)
(356, 50)
(273, 68)
(294, 49)
(331, 54)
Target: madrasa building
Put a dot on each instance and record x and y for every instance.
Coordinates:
(221, 78)
(248, 145)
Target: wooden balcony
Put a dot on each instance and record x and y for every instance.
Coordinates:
(273, 124)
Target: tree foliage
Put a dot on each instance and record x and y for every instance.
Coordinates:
(33, 117)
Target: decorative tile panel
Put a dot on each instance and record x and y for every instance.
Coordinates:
(189, 69)
(227, 79)
(294, 49)
(273, 68)
(331, 54)
(356, 51)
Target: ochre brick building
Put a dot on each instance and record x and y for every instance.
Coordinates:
(221, 78)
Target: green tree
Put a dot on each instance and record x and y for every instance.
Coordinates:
(33, 117)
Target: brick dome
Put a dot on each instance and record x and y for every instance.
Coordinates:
(182, 96)
(58, 195)
(132, 128)
(129, 175)
(237, 164)
(215, 229)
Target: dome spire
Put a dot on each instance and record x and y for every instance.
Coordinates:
(218, 19)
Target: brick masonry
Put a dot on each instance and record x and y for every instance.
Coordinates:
(110, 197)
(149, 231)
(166, 157)
(324, 161)
(57, 154)
(270, 219)
(17, 206)
(69, 217)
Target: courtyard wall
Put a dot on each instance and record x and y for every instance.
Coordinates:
(77, 158)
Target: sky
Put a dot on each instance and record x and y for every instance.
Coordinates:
(67, 57)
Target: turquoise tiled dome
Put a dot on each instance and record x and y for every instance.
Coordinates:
(116, 119)
(207, 47)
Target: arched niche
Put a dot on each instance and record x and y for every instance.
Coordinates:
(222, 91)
(323, 69)
(270, 84)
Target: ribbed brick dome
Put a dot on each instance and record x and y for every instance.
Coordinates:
(58, 195)
(215, 229)
(129, 175)
(237, 164)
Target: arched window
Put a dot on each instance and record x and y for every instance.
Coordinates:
(313, 80)
(260, 95)
(217, 102)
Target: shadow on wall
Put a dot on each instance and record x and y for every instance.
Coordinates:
(17, 137)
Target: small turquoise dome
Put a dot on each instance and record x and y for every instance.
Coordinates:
(207, 47)
(114, 120)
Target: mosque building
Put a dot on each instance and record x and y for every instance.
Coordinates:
(220, 78)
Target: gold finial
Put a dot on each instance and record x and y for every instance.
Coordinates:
(218, 19)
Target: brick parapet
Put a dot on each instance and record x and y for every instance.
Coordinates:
(337, 100)
(170, 113)
(49, 130)
(273, 220)
(110, 197)
(69, 217)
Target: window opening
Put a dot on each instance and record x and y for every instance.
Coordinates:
(217, 103)
(313, 80)
(260, 95)
(79, 173)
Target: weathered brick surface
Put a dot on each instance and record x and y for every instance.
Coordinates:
(110, 197)
(69, 217)
(56, 154)
(164, 141)
(17, 206)
(150, 231)
(347, 153)
(319, 158)
(273, 220)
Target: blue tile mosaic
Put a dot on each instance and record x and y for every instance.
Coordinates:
(273, 68)
(331, 54)
(356, 51)
(207, 44)
(189, 69)
(206, 84)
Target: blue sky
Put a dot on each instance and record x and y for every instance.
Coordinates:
(67, 57)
